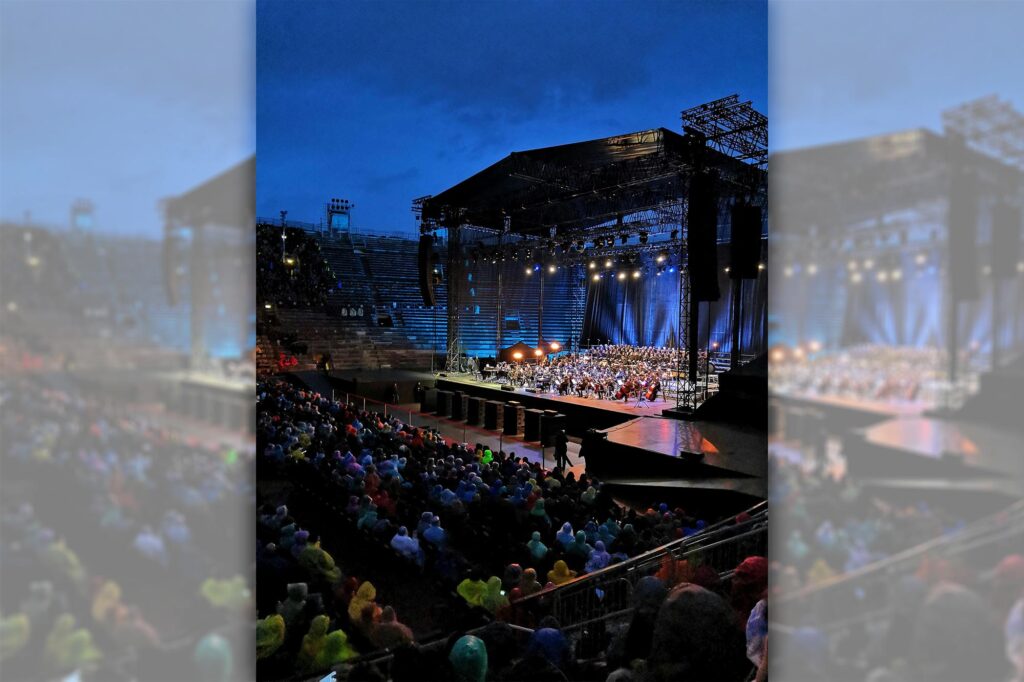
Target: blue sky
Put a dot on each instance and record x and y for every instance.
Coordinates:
(380, 103)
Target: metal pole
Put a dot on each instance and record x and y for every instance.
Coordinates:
(734, 355)
(540, 311)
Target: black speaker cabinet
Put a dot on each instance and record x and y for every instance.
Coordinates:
(531, 425)
(429, 402)
(444, 403)
(473, 411)
(515, 415)
(550, 424)
(459, 400)
(494, 415)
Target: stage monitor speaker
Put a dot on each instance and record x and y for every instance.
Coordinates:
(426, 271)
(745, 244)
(963, 236)
(1005, 240)
(702, 238)
(506, 387)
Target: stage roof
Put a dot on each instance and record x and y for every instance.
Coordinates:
(575, 186)
(227, 200)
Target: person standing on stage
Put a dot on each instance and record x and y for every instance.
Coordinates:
(561, 450)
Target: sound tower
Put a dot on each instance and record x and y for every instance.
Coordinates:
(1005, 240)
(426, 271)
(963, 235)
(702, 238)
(745, 243)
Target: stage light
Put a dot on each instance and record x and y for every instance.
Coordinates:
(622, 275)
(798, 353)
(856, 278)
(289, 261)
(555, 345)
(897, 274)
(538, 352)
(714, 345)
(1020, 266)
(552, 268)
(852, 265)
(636, 274)
(868, 263)
(882, 276)
(814, 346)
(529, 271)
(788, 271)
(921, 259)
(672, 269)
(760, 266)
(660, 258)
(33, 261)
(986, 270)
(658, 273)
(268, 306)
(517, 356)
(593, 265)
(597, 278)
(812, 269)
(12, 306)
(608, 263)
(727, 268)
(778, 355)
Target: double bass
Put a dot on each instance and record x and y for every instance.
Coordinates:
(652, 392)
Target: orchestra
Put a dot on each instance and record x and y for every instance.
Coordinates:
(612, 372)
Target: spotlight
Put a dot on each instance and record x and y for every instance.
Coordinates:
(636, 274)
(856, 278)
(851, 266)
(597, 277)
(517, 356)
(760, 266)
(622, 275)
(268, 306)
(714, 345)
(868, 263)
(986, 270)
(660, 258)
(788, 271)
(608, 263)
(921, 259)
(555, 345)
(672, 269)
(593, 265)
(896, 274)
(882, 276)
(538, 352)
(814, 346)
(727, 268)
(552, 268)
(529, 271)
(1020, 266)
(812, 269)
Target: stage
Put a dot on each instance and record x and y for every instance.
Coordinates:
(717, 464)
(581, 413)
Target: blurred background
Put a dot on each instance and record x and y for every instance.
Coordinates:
(895, 367)
(127, 328)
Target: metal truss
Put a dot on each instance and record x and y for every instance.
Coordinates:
(731, 127)
(990, 125)
(455, 277)
(579, 305)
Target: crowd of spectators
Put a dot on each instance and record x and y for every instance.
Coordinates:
(494, 527)
(291, 272)
(152, 588)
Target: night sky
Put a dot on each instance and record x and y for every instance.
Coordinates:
(380, 103)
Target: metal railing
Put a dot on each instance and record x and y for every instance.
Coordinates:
(721, 546)
(871, 589)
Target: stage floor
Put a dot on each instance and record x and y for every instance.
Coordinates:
(623, 407)
(727, 447)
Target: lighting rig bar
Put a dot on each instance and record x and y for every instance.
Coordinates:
(731, 127)
(991, 126)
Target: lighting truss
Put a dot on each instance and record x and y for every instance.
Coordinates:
(991, 126)
(731, 127)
